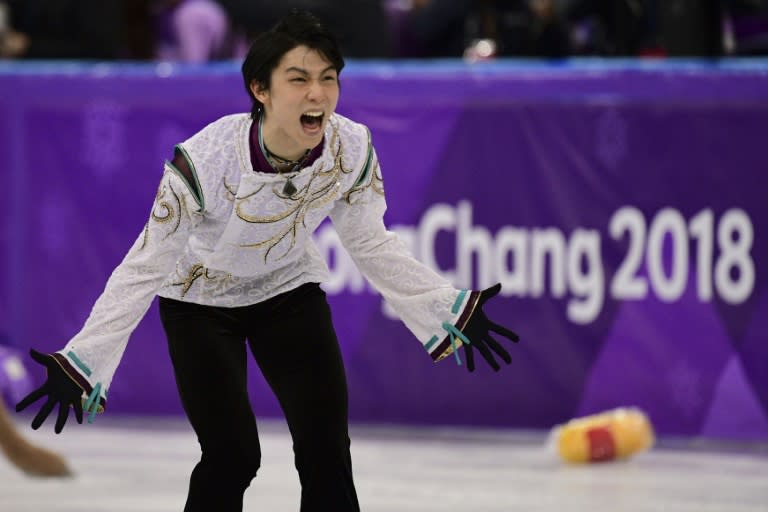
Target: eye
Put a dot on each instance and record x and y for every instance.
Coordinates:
(298, 79)
(330, 78)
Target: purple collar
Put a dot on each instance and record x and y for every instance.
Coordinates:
(259, 160)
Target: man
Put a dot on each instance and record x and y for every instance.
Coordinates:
(228, 249)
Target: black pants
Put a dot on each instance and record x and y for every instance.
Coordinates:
(293, 342)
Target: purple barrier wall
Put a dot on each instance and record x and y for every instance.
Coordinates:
(622, 206)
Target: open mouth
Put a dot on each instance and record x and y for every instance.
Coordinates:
(312, 121)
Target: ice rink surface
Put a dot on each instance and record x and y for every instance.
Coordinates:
(142, 465)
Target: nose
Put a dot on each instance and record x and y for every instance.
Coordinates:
(315, 91)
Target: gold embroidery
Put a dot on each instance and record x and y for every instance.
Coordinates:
(231, 191)
(146, 236)
(196, 272)
(302, 201)
(181, 205)
(376, 184)
(168, 207)
(251, 194)
(447, 352)
(164, 205)
(252, 219)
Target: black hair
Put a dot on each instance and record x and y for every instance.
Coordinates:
(298, 28)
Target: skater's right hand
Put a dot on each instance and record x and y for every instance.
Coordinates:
(59, 388)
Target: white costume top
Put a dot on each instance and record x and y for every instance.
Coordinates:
(240, 241)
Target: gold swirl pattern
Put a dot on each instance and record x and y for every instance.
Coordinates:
(145, 239)
(171, 207)
(304, 200)
(196, 272)
(376, 184)
(231, 191)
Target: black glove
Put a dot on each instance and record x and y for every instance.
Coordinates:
(478, 331)
(59, 388)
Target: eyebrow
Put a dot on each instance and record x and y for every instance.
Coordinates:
(305, 72)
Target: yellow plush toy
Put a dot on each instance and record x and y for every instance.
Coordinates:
(610, 435)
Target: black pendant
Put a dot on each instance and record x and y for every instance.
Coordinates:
(289, 188)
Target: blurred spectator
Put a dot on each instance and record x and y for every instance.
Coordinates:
(451, 28)
(205, 30)
(433, 28)
(62, 29)
(747, 27)
(614, 27)
(139, 33)
(676, 28)
(361, 26)
(555, 28)
(691, 28)
(528, 28)
(195, 31)
(179, 30)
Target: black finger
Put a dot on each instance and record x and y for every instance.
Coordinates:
(34, 396)
(43, 413)
(470, 357)
(489, 293)
(496, 347)
(40, 357)
(78, 405)
(503, 331)
(62, 417)
(483, 348)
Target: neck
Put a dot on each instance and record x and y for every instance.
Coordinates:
(281, 164)
(272, 143)
(271, 155)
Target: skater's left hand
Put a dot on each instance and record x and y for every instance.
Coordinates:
(478, 331)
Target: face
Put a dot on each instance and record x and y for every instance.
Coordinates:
(302, 96)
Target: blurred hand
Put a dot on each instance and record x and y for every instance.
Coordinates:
(542, 9)
(13, 45)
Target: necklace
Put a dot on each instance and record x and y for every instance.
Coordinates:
(283, 165)
(278, 161)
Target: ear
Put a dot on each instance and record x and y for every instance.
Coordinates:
(258, 91)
